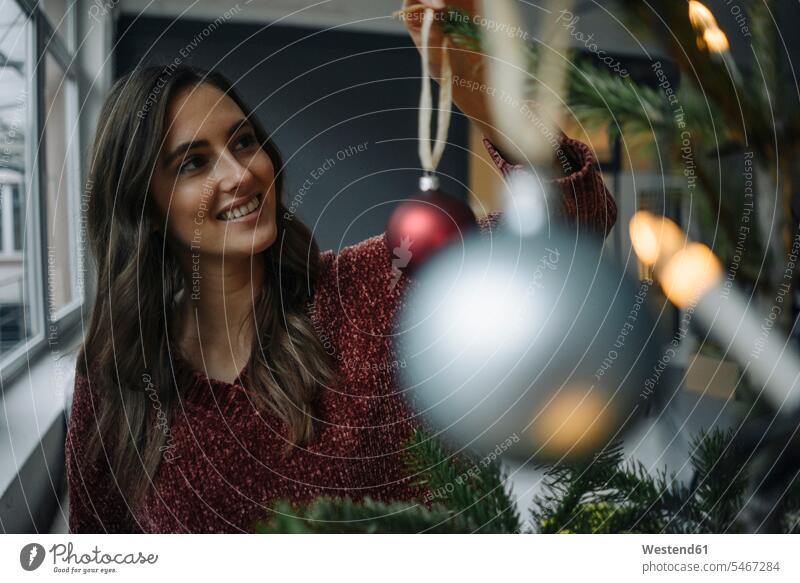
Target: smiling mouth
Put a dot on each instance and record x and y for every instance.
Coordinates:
(247, 208)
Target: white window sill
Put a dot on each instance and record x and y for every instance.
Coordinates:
(30, 406)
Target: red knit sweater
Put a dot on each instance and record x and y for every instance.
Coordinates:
(225, 469)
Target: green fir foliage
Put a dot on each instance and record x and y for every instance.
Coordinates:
(604, 494)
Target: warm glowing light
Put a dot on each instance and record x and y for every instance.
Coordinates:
(716, 40)
(577, 420)
(711, 35)
(643, 237)
(654, 238)
(701, 17)
(690, 274)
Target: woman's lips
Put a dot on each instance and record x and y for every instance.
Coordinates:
(251, 208)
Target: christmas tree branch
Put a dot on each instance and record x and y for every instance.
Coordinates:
(331, 515)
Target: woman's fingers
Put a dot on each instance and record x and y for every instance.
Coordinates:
(413, 12)
(464, 63)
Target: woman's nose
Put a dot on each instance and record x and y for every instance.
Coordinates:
(231, 174)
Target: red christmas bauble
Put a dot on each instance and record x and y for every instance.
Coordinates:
(423, 225)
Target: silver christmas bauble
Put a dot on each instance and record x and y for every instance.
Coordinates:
(535, 346)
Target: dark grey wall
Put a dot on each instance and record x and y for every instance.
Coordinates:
(320, 93)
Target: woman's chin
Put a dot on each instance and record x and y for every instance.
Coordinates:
(262, 243)
(238, 240)
(259, 240)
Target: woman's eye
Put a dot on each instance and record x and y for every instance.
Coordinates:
(190, 164)
(245, 141)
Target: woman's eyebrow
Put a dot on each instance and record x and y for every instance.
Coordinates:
(186, 146)
(237, 126)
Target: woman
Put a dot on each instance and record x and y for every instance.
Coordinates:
(200, 268)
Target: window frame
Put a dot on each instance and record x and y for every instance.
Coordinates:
(52, 330)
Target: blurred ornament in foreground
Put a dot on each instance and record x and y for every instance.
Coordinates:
(427, 223)
(541, 337)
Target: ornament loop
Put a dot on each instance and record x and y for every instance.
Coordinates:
(430, 156)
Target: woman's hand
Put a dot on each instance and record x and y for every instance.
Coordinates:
(469, 90)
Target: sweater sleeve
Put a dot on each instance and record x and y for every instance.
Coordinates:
(584, 196)
(95, 502)
(365, 273)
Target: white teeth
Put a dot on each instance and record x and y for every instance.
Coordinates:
(243, 210)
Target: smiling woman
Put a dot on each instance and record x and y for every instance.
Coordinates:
(218, 155)
(171, 210)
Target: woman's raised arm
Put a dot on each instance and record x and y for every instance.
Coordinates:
(586, 200)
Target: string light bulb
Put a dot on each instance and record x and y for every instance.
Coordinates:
(716, 41)
(689, 274)
(701, 17)
(693, 279)
(710, 35)
(655, 239)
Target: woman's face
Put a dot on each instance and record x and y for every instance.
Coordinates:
(212, 181)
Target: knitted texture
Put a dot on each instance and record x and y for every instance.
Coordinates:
(585, 200)
(226, 465)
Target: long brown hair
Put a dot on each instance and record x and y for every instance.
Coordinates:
(127, 347)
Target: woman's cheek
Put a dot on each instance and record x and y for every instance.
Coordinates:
(190, 220)
(266, 170)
